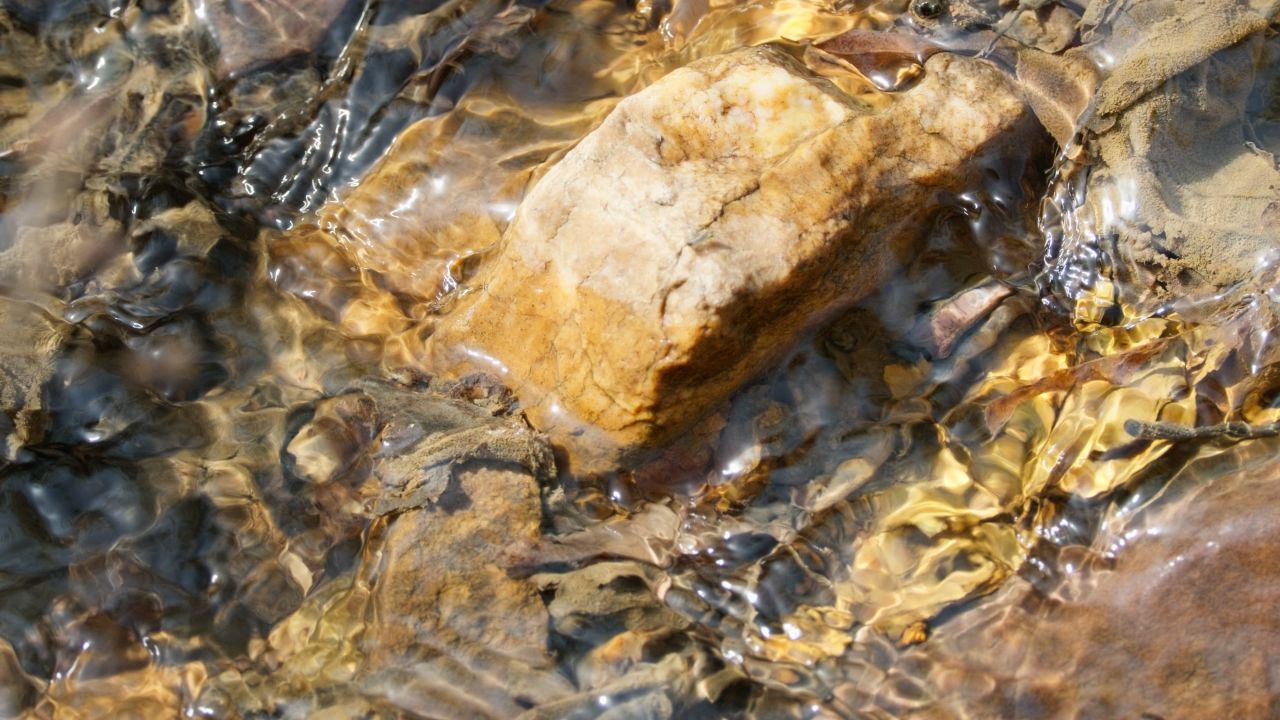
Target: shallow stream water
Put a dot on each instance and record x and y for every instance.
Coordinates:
(226, 225)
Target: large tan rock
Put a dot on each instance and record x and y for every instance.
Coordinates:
(711, 220)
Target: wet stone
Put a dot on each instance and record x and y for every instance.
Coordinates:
(440, 576)
(459, 486)
(1182, 177)
(429, 619)
(591, 602)
(715, 216)
(254, 32)
(31, 340)
(1171, 629)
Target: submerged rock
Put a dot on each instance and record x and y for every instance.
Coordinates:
(449, 624)
(1176, 185)
(27, 357)
(1172, 629)
(458, 486)
(441, 577)
(255, 32)
(427, 622)
(713, 218)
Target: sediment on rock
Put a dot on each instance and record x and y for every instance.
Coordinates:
(1182, 191)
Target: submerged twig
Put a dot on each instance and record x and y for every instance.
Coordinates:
(1174, 432)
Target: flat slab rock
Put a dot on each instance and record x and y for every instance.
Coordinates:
(712, 219)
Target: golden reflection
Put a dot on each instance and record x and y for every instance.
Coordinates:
(1055, 407)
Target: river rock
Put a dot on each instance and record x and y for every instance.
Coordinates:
(1173, 629)
(427, 621)
(1179, 177)
(441, 576)
(255, 32)
(28, 354)
(457, 485)
(453, 631)
(710, 221)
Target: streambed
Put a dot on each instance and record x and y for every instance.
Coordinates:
(1020, 469)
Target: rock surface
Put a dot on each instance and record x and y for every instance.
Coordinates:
(458, 486)
(27, 356)
(253, 32)
(428, 622)
(1182, 189)
(1172, 630)
(712, 219)
(441, 576)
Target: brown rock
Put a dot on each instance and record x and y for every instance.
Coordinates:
(455, 633)
(429, 622)
(440, 576)
(712, 219)
(1178, 628)
(252, 32)
(31, 340)
(1058, 88)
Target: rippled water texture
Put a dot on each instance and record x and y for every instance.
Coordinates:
(1029, 472)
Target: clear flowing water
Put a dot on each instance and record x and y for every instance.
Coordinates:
(229, 227)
